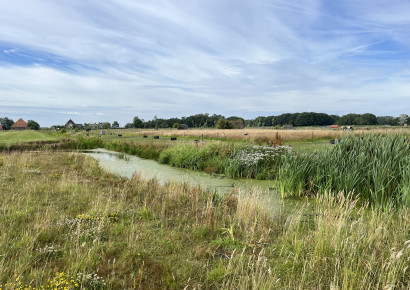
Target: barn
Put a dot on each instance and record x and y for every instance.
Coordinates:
(19, 125)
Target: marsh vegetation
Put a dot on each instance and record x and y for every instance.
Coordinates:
(65, 220)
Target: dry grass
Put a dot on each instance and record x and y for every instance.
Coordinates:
(60, 212)
(271, 134)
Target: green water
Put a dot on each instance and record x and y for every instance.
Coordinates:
(127, 165)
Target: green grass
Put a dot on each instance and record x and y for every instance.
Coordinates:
(64, 219)
(14, 136)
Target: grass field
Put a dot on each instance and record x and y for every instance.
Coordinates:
(66, 223)
(260, 134)
(308, 138)
(14, 136)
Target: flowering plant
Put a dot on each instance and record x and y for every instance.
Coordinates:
(259, 162)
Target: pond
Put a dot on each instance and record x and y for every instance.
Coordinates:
(126, 165)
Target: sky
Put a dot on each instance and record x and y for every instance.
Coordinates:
(96, 61)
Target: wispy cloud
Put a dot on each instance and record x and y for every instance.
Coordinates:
(173, 58)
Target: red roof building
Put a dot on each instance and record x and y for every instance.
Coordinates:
(19, 125)
(1, 127)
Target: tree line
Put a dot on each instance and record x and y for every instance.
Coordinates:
(295, 119)
(235, 122)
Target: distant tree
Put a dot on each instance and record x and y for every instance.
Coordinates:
(349, 119)
(387, 120)
(106, 125)
(177, 126)
(33, 125)
(115, 124)
(283, 119)
(358, 119)
(224, 124)
(368, 119)
(6, 123)
(129, 125)
(237, 122)
(138, 122)
(335, 119)
(164, 124)
(403, 119)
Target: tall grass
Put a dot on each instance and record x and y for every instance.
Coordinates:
(374, 167)
(340, 246)
(143, 150)
(211, 157)
(64, 220)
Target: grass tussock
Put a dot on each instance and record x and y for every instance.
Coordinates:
(64, 220)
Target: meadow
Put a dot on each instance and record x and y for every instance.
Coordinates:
(12, 137)
(299, 134)
(66, 223)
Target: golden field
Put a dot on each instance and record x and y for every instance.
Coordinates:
(261, 133)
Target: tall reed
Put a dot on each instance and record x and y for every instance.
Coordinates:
(375, 167)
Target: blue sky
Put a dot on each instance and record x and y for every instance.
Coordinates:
(95, 61)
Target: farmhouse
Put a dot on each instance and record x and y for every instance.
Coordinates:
(1, 127)
(19, 125)
(71, 125)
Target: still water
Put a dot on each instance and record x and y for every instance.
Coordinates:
(126, 165)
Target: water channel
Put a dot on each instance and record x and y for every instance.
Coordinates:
(126, 165)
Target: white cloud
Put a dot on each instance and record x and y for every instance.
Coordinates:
(178, 57)
(70, 113)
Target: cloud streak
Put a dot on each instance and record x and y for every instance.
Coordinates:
(173, 58)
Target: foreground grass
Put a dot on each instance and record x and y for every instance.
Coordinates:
(65, 221)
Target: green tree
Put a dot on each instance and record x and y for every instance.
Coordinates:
(33, 125)
(115, 124)
(223, 124)
(138, 122)
(368, 119)
(6, 123)
(177, 126)
(106, 125)
(387, 120)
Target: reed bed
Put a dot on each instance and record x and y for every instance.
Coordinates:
(374, 167)
(66, 223)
